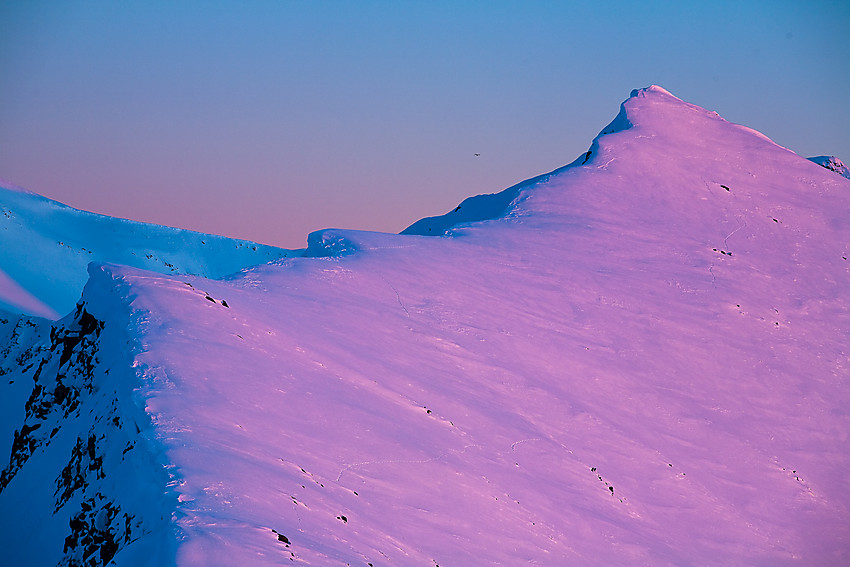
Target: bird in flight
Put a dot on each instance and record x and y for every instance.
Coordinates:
(477, 155)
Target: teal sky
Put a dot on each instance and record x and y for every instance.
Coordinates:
(268, 120)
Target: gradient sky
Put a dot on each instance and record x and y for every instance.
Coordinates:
(268, 120)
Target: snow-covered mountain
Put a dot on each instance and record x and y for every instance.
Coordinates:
(45, 247)
(638, 359)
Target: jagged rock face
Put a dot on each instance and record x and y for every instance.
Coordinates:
(62, 373)
(74, 443)
(25, 341)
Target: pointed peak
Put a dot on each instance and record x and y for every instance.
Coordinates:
(653, 90)
(654, 97)
(658, 109)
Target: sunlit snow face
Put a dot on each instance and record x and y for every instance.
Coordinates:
(620, 368)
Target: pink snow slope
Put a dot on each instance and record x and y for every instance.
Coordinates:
(642, 361)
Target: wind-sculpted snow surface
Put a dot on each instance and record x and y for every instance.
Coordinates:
(45, 247)
(643, 361)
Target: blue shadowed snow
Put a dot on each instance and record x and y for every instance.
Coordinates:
(46, 247)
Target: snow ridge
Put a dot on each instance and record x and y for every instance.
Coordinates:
(43, 236)
(639, 359)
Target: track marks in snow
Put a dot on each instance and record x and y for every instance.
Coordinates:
(725, 250)
(348, 467)
(515, 443)
(728, 236)
(397, 296)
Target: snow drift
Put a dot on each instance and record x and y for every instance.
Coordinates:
(638, 359)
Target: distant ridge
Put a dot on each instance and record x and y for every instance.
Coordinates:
(47, 246)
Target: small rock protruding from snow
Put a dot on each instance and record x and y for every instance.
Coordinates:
(833, 163)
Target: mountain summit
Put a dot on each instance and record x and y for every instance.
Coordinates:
(637, 359)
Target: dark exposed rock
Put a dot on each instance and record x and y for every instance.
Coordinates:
(97, 533)
(58, 383)
(85, 461)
